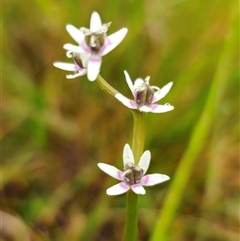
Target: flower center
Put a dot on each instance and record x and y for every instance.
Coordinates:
(95, 42)
(132, 174)
(144, 95)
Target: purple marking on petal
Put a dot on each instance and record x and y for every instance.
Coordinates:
(137, 185)
(106, 43)
(123, 186)
(154, 106)
(85, 47)
(102, 49)
(154, 98)
(96, 59)
(119, 175)
(132, 103)
(76, 67)
(146, 180)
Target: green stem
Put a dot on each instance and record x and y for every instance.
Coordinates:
(131, 218)
(105, 86)
(131, 224)
(138, 139)
(139, 120)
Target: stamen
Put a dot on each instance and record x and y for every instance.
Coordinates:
(77, 59)
(132, 174)
(69, 53)
(103, 29)
(144, 95)
(156, 88)
(147, 79)
(85, 31)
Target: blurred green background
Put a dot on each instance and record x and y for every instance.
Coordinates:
(55, 130)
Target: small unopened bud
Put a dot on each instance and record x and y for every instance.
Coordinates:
(132, 174)
(144, 95)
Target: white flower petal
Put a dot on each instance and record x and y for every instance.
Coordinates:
(129, 82)
(74, 48)
(75, 33)
(161, 108)
(66, 66)
(163, 91)
(138, 189)
(145, 108)
(118, 189)
(137, 83)
(153, 179)
(95, 22)
(111, 171)
(93, 68)
(127, 102)
(79, 73)
(127, 155)
(113, 40)
(145, 161)
(85, 58)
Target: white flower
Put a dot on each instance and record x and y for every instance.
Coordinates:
(78, 67)
(145, 96)
(133, 175)
(95, 42)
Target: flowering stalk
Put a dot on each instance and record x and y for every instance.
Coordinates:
(131, 220)
(105, 86)
(139, 120)
(93, 43)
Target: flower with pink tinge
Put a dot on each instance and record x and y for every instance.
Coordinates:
(94, 42)
(145, 96)
(78, 66)
(133, 177)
